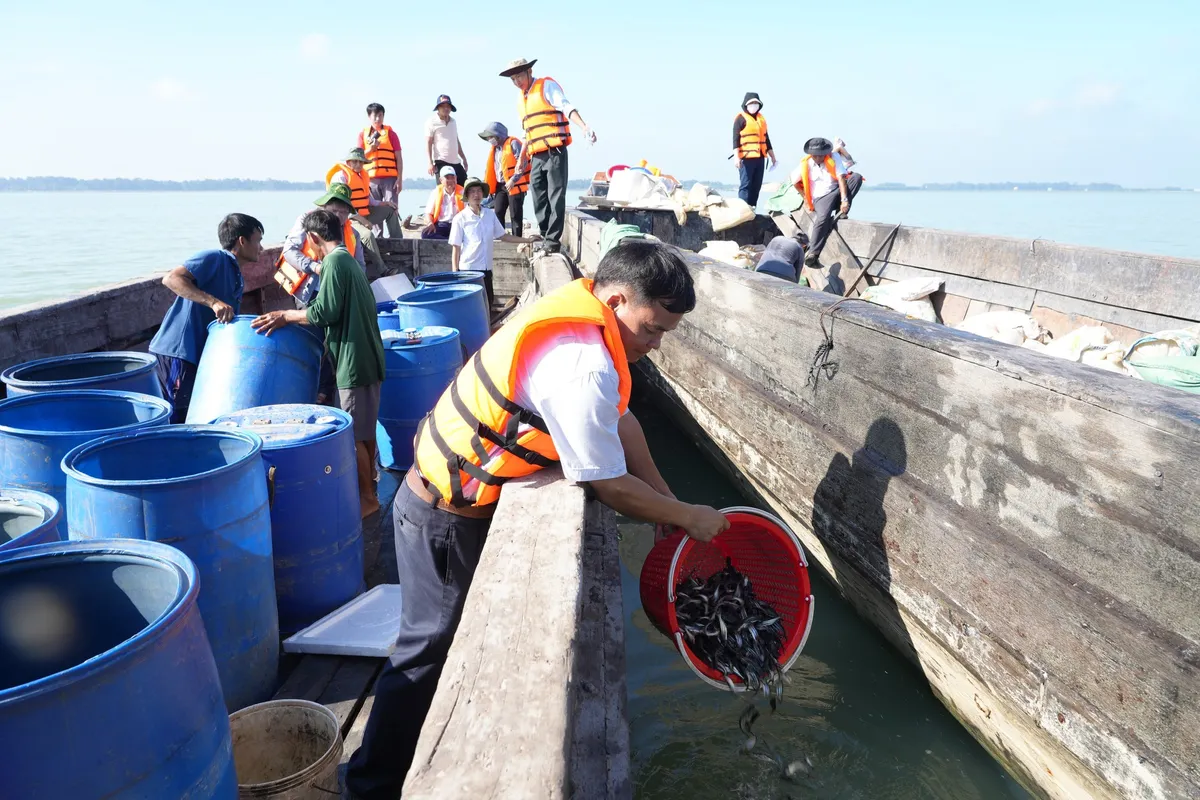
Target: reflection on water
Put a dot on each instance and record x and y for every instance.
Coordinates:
(863, 715)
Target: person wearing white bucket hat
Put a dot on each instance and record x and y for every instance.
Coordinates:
(546, 115)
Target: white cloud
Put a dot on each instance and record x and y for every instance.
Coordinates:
(314, 46)
(1097, 95)
(1040, 107)
(168, 90)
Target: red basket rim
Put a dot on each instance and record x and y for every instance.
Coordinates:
(794, 645)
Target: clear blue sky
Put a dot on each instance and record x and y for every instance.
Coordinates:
(921, 91)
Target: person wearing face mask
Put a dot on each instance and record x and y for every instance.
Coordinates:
(751, 147)
(508, 187)
(550, 387)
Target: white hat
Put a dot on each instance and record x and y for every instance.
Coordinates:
(448, 170)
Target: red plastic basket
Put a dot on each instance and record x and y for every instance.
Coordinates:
(763, 549)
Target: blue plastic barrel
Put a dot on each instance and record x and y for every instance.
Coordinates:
(419, 367)
(459, 306)
(107, 684)
(434, 279)
(203, 490)
(28, 517)
(37, 430)
(316, 524)
(123, 371)
(241, 368)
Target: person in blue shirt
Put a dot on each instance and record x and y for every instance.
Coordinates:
(208, 287)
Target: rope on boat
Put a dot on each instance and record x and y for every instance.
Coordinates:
(821, 365)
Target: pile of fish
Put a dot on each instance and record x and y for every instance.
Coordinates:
(732, 631)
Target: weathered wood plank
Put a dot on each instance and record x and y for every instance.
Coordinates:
(347, 690)
(1111, 315)
(310, 678)
(951, 309)
(511, 692)
(1154, 284)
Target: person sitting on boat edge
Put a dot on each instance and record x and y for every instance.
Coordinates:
(345, 309)
(442, 144)
(370, 213)
(473, 234)
(298, 250)
(508, 187)
(546, 115)
(751, 147)
(445, 200)
(827, 194)
(385, 162)
(208, 286)
(560, 368)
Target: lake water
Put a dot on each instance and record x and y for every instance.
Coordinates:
(104, 237)
(864, 716)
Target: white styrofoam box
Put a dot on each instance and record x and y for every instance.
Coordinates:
(366, 626)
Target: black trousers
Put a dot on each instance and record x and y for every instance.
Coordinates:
(436, 556)
(503, 202)
(548, 187)
(751, 173)
(487, 287)
(459, 170)
(178, 378)
(825, 211)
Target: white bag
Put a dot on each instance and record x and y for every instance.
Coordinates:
(910, 297)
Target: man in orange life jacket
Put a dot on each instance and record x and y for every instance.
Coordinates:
(385, 162)
(369, 212)
(445, 201)
(507, 186)
(751, 147)
(551, 386)
(546, 115)
(827, 193)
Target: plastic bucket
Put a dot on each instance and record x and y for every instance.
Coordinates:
(107, 683)
(763, 549)
(286, 750)
(28, 517)
(123, 371)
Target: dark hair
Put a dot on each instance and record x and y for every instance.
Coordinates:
(234, 227)
(371, 109)
(653, 271)
(323, 224)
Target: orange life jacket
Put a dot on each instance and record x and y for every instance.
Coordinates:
(803, 184)
(349, 238)
(752, 141)
(381, 159)
(508, 166)
(474, 432)
(359, 183)
(433, 211)
(545, 126)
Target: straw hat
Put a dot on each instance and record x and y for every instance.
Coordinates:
(520, 65)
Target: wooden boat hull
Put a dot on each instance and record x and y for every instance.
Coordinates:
(1024, 529)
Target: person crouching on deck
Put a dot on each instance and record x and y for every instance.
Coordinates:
(207, 287)
(445, 201)
(827, 194)
(473, 234)
(345, 309)
(561, 371)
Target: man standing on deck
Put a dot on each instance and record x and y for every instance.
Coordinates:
(441, 141)
(550, 387)
(546, 115)
(207, 287)
(345, 309)
(385, 162)
(827, 194)
(751, 147)
(508, 187)
(370, 214)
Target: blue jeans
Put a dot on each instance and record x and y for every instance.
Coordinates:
(436, 556)
(752, 178)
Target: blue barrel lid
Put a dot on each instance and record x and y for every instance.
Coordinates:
(425, 336)
(287, 424)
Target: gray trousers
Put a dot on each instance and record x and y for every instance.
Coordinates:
(366, 237)
(384, 190)
(825, 211)
(436, 556)
(548, 188)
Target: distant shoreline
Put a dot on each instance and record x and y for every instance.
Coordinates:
(57, 184)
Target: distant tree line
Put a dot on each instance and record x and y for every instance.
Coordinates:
(1008, 187)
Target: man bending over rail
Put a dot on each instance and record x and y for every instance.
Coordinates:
(551, 386)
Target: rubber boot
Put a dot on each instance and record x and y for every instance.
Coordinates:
(368, 498)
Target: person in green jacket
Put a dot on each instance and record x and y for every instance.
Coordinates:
(345, 308)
